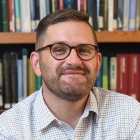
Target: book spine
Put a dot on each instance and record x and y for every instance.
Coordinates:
(37, 14)
(120, 15)
(92, 12)
(99, 78)
(101, 16)
(11, 15)
(71, 4)
(132, 18)
(1, 84)
(5, 20)
(38, 82)
(138, 15)
(115, 16)
(20, 79)
(105, 72)
(61, 4)
(126, 8)
(110, 14)
(113, 74)
(122, 73)
(134, 75)
(24, 59)
(17, 16)
(54, 5)
(7, 82)
(42, 9)
(25, 16)
(105, 15)
(48, 7)
(32, 7)
(14, 83)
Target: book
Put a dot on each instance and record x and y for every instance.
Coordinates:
(99, 78)
(105, 15)
(60, 4)
(20, 79)
(42, 8)
(1, 84)
(17, 15)
(81, 5)
(37, 14)
(71, 4)
(92, 12)
(54, 5)
(7, 80)
(5, 20)
(101, 16)
(14, 84)
(122, 73)
(25, 16)
(120, 15)
(11, 15)
(138, 15)
(134, 76)
(113, 74)
(31, 78)
(32, 7)
(38, 82)
(105, 71)
(0, 17)
(132, 15)
(115, 15)
(24, 70)
(48, 7)
(126, 9)
(110, 14)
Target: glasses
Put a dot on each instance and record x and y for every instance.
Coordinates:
(60, 51)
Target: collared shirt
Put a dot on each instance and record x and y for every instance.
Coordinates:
(107, 116)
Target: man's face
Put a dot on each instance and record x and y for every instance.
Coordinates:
(72, 78)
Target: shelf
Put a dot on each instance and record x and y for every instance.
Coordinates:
(17, 38)
(103, 37)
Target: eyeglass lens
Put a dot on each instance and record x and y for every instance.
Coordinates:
(84, 51)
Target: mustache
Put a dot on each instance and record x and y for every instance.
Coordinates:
(73, 68)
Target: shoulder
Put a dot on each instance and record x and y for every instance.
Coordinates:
(109, 100)
(17, 115)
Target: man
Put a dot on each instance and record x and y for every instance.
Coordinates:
(67, 106)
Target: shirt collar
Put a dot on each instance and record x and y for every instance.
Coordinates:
(44, 117)
(91, 105)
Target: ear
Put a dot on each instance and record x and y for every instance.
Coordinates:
(34, 59)
(99, 60)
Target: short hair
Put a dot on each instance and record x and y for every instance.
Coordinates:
(57, 17)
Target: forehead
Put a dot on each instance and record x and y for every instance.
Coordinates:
(70, 31)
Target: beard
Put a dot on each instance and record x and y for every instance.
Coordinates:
(73, 91)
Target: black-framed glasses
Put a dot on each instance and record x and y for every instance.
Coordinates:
(61, 51)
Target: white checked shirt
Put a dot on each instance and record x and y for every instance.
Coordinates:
(107, 116)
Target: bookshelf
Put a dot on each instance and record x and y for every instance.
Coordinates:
(10, 39)
(103, 37)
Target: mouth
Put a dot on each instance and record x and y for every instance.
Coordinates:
(72, 72)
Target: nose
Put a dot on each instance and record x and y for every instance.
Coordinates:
(73, 58)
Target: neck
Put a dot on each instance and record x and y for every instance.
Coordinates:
(66, 111)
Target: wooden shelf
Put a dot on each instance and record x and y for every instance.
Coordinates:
(103, 37)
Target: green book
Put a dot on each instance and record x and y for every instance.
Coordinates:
(38, 82)
(105, 72)
(17, 15)
(5, 20)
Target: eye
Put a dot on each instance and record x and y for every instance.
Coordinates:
(84, 51)
(59, 49)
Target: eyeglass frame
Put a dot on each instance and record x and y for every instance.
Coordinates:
(70, 47)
